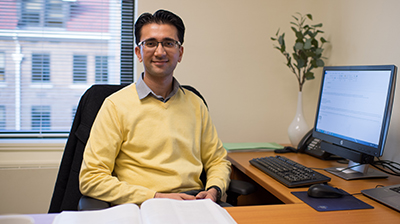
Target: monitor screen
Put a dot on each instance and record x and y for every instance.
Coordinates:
(354, 108)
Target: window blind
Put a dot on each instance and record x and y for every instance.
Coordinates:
(51, 51)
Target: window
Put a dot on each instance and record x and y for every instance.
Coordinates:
(43, 13)
(2, 117)
(40, 117)
(73, 112)
(2, 67)
(40, 68)
(80, 68)
(51, 52)
(101, 69)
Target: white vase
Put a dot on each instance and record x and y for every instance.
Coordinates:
(298, 128)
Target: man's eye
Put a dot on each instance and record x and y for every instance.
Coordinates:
(169, 43)
(150, 43)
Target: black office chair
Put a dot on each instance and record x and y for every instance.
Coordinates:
(66, 195)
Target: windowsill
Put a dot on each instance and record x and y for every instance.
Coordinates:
(33, 142)
(30, 152)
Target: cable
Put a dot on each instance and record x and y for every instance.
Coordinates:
(394, 167)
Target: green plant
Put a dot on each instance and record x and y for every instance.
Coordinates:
(308, 49)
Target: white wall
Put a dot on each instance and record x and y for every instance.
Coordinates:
(366, 32)
(26, 190)
(252, 95)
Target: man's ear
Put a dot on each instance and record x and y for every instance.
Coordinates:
(180, 54)
(138, 53)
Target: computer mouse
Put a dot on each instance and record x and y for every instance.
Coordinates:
(324, 191)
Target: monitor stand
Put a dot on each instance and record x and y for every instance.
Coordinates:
(356, 171)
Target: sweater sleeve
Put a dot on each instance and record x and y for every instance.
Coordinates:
(96, 179)
(216, 165)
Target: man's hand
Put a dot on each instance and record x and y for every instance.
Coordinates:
(176, 196)
(210, 194)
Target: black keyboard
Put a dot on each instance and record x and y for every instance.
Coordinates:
(288, 172)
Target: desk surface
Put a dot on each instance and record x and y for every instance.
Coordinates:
(296, 211)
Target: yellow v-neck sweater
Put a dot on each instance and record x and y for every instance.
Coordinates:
(139, 147)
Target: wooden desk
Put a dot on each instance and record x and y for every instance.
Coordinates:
(296, 211)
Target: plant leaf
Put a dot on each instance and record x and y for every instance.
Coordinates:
(317, 25)
(311, 34)
(281, 39)
(314, 42)
(307, 49)
(320, 63)
(289, 61)
(298, 46)
(299, 36)
(300, 63)
(307, 45)
(310, 53)
(309, 75)
(276, 47)
(295, 56)
(277, 32)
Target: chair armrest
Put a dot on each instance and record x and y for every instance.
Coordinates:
(88, 203)
(237, 188)
(241, 187)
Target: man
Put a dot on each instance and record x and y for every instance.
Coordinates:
(153, 138)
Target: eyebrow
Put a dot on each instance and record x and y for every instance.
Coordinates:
(152, 38)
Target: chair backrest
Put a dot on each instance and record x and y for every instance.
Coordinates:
(66, 192)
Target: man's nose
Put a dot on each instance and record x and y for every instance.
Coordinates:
(159, 49)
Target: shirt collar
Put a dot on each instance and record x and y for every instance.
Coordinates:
(143, 90)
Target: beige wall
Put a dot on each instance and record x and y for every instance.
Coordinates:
(252, 95)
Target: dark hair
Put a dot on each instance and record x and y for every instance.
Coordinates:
(159, 17)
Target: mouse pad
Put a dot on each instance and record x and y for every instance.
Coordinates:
(347, 202)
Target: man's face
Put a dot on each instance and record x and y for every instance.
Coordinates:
(159, 61)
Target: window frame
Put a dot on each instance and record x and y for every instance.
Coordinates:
(127, 66)
(46, 8)
(41, 68)
(2, 67)
(2, 116)
(40, 117)
(79, 69)
(101, 69)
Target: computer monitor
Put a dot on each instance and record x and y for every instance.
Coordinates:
(353, 115)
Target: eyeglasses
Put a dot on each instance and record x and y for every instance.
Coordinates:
(153, 44)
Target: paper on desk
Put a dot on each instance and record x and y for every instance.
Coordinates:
(152, 211)
(252, 146)
(121, 214)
